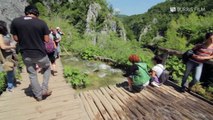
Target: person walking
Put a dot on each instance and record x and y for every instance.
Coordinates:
(56, 37)
(202, 53)
(31, 32)
(6, 50)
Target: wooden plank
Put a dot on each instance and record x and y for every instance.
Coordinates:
(16, 94)
(95, 110)
(39, 110)
(196, 111)
(152, 98)
(115, 105)
(31, 100)
(101, 108)
(86, 106)
(165, 91)
(74, 114)
(135, 112)
(160, 95)
(107, 105)
(147, 102)
(56, 91)
(201, 104)
(172, 91)
(137, 109)
(139, 100)
(114, 95)
(186, 113)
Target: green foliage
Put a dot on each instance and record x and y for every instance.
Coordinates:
(89, 53)
(210, 89)
(111, 46)
(199, 89)
(75, 77)
(186, 31)
(2, 81)
(173, 41)
(177, 68)
(185, 27)
(42, 9)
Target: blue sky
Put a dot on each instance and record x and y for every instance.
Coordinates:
(131, 7)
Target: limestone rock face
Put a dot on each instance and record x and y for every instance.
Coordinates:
(92, 16)
(10, 9)
(144, 31)
(109, 23)
(115, 26)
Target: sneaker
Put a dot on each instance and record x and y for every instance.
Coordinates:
(39, 99)
(189, 89)
(47, 93)
(155, 84)
(9, 90)
(53, 73)
(130, 89)
(183, 89)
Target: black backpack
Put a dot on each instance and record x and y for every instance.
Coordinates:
(188, 54)
(164, 76)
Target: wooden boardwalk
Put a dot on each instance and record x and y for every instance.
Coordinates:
(105, 103)
(163, 103)
(63, 104)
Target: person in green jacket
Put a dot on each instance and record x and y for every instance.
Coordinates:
(138, 74)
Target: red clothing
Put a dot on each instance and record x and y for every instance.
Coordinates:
(202, 51)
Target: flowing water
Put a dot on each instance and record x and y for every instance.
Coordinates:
(99, 73)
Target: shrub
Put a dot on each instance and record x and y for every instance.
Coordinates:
(75, 77)
(177, 68)
(89, 53)
(199, 89)
(2, 81)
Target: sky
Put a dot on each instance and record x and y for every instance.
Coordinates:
(132, 7)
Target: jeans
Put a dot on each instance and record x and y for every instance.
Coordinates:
(57, 51)
(43, 63)
(191, 65)
(10, 79)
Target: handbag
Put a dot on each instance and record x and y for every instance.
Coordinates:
(8, 62)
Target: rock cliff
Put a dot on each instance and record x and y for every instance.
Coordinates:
(109, 23)
(10, 9)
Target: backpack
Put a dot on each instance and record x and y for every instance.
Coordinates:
(188, 54)
(164, 76)
(49, 46)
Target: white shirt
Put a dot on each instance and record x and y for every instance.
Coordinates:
(158, 69)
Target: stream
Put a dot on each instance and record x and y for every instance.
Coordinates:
(99, 74)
